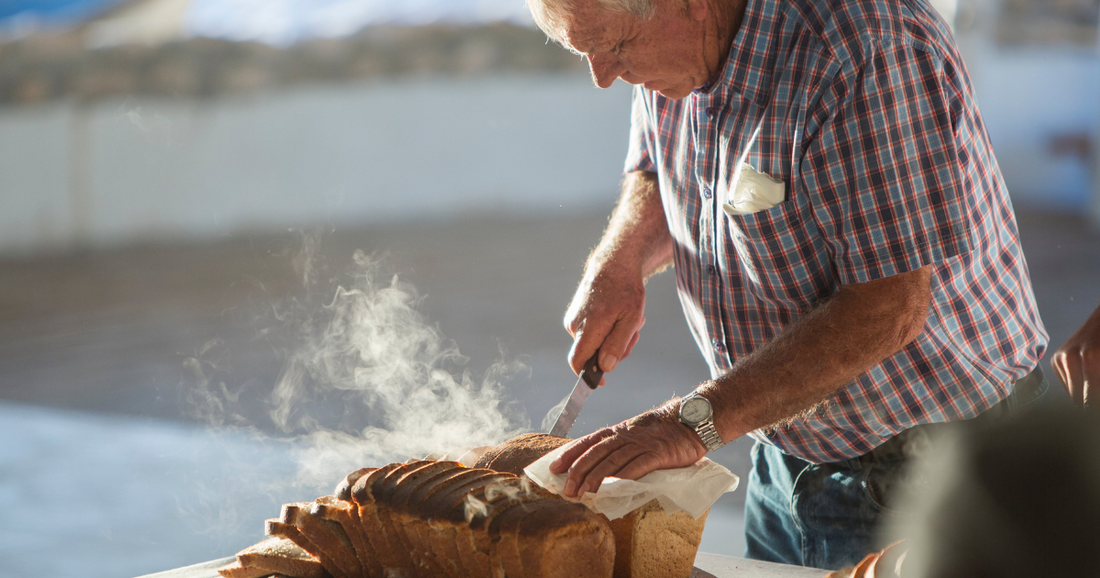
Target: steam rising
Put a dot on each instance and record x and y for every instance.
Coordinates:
(510, 490)
(366, 380)
(552, 415)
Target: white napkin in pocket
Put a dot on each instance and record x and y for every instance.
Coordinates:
(754, 191)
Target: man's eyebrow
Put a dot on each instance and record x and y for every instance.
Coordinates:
(574, 44)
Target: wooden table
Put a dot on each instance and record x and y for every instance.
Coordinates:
(706, 566)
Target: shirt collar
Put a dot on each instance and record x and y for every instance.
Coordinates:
(747, 69)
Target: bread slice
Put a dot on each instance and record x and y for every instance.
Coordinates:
(420, 546)
(434, 512)
(347, 515)
(343, 489)
(291, 532)
(281, 556)
(328, 536)
(236, 570)
(382, 490)
(484, 526)
(390, 556)
(422, 514)
(364, 549)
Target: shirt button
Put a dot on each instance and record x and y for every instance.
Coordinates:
(706, 192)
(711, 270)
(719, 346)
(711, 112)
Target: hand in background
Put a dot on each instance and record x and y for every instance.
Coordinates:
(1077, 363)
(884, 564)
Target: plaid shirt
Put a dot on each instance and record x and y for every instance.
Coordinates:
(864, 110)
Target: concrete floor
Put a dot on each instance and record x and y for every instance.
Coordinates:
(96, 387)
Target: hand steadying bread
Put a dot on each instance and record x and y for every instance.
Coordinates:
(423, 518)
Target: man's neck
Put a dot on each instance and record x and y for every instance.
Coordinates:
(728, 15)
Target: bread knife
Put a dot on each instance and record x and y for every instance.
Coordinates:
(586, 384)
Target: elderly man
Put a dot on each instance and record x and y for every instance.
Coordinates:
(844, 248)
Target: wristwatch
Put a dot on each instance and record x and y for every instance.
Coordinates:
(697, 414)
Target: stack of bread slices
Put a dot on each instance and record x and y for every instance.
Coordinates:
(426, 518)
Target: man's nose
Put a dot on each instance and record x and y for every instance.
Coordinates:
(605, 69)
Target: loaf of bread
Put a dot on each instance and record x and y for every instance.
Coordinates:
(439, 519)
(649, 542)
(429, 519)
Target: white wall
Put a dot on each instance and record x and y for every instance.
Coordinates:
(1026, 99)
(1029, 95)
(356, 153)
(135, 169)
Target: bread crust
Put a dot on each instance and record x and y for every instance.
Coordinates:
(519, 452)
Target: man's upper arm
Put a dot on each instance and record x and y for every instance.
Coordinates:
(883, 170)
(641, 154)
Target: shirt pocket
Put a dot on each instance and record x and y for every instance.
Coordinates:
(778, 259)
(753, 192)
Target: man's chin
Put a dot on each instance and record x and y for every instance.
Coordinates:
(673, 92)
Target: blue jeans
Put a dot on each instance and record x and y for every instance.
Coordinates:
(817, 515)
(830, 515)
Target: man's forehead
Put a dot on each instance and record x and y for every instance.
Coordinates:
(587, 25)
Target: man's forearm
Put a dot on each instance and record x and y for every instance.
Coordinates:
(608, 309)
(839, 340)
(637, 235)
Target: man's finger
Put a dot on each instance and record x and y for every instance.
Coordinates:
(1074, 377)
(585, 345)
(640, 465)
(630, 347)
(1090, 375)
(614, 346)
(588, 461)
(575, 449)
(1057, 362)
(600, 461)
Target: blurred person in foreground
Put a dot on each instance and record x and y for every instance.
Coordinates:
(980, 520)
(1020, 498)
(844, 248)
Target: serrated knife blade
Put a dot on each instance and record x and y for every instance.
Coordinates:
(586, 384)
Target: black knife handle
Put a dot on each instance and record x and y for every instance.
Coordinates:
(591, 374)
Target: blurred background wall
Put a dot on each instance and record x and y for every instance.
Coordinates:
(173, 119)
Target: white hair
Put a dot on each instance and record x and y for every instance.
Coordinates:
(551, 15)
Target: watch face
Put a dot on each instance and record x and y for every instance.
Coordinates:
(695, 410)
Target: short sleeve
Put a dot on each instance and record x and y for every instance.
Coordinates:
(639, 155)
(882, 173)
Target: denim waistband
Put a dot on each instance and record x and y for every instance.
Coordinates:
(912, 441)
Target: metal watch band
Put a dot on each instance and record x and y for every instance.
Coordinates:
(709, 435)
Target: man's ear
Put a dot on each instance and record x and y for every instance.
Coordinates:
(699, 10)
